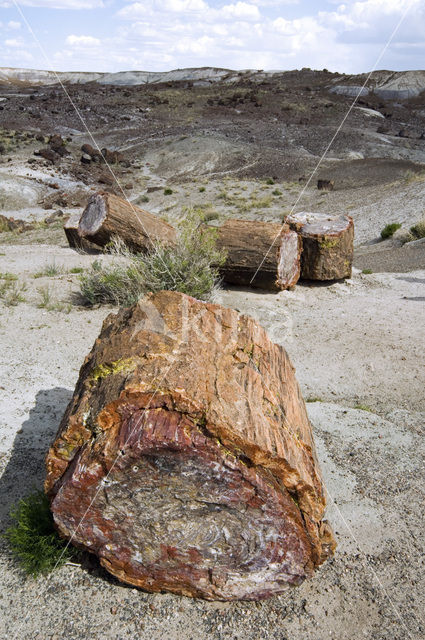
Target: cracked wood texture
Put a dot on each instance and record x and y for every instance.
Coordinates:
(107, 216)
(185, 459)
(75, 241)
(328, 245)
(271, 248)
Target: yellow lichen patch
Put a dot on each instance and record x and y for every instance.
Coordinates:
(329, 243)
(111, 368)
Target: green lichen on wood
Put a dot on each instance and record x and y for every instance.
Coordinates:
(111, 368)
(328, 243)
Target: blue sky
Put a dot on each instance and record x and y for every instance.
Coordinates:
(158, 35)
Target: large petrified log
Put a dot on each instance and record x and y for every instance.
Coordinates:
(327, 244)
(75, 241)
(107, 216)
(185, 459)
(272, 249)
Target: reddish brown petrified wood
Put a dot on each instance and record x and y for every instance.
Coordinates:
(107, 216)
(327, 245)
(259, 254)
(185, 459)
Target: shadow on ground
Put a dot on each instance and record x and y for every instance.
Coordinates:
(25, 470)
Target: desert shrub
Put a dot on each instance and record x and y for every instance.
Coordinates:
(201, 189)
(269, 181)
(363, 407)
(190, 266)
(47, 300)
(418, 230)
(11, 290)
(367, 271)
(7, 276)
(32, 537)
(49, 271)
(276, 192)
(76, 270)
(168, 191)
(4, 226)
(389, 230)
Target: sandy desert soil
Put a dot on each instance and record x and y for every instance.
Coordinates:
(357, 345)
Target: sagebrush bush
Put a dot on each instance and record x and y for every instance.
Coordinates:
(11, 290)
(191, 266)
(418, 230)
(389, 230)
(32, 536)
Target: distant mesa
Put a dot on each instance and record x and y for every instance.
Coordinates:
(387, 85)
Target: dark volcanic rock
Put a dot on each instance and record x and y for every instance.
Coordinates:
(48, 154)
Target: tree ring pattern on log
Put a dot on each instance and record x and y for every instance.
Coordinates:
(289, 267)
(94, 215)
(180, 511)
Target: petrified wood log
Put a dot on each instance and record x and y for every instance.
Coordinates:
(107, 216)
(70, 228)
(327, 245)
(271, 248)
(185, 459)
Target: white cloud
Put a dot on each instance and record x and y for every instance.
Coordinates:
(82, 41)
(240, 10)
(370, 20)
(164, 34)
(62, 4)
(13, 43)
(13, 25)
(183, 5)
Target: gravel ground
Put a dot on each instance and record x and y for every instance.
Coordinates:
(356, 343)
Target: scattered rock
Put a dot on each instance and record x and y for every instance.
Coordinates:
(325, 185)
(47, 154)
(11, 224)
(106, 178)
(54, 217)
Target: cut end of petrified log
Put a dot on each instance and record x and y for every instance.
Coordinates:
(75, 241)
(185, 459)
(181, 512)
(94, 215)
(289, 265)
(328, 242)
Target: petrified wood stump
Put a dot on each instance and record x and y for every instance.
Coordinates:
(272, 249)
(107, 216)
(327, 245)
(185, 459)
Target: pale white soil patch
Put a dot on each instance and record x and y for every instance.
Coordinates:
(358, 342)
